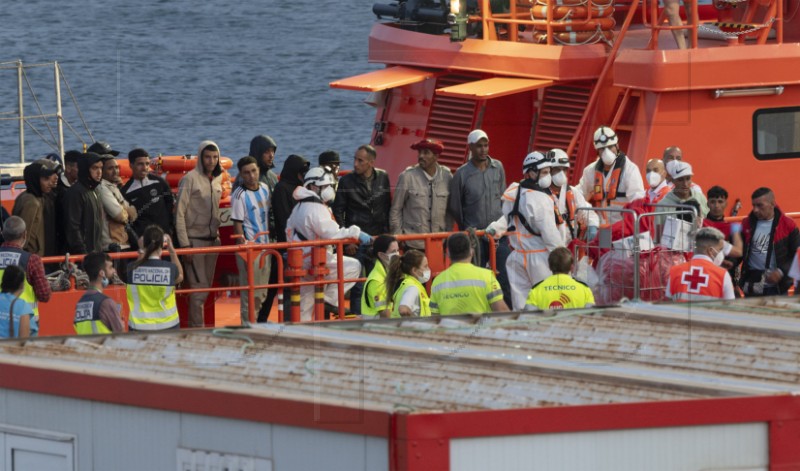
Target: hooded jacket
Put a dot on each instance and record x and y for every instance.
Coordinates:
(282, 200)
(258, 146)
(197, 212)
(38, 210)
(85, 217)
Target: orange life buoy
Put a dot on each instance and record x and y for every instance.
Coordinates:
(184, 163)
(574, 38)
(539, 12)
(605, 24)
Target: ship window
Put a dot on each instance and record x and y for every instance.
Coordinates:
(776, 133)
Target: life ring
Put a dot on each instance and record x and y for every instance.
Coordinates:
(605, 24)
(183, 163)
(573, 3)
(539, 12)
(574, 38)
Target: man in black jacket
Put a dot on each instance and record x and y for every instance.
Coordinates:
(83, 207)
(149, 194)
(294, 169)
(363, 199)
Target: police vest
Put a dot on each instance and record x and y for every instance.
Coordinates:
(14, 256)
(559, 291)
(87, 314)
(697, 280)
(373, 298)
(464, 289)
(424, 300)
(151, 295)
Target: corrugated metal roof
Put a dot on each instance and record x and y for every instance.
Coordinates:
(629, 354)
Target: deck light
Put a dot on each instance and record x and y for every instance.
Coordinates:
(736, 92)
(457, 19)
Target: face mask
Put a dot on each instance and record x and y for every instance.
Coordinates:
(608, 156)
(654, 179)
(105, 282)
(545, 181)
(328, 194)
(426, 275)
(391, 255)
(559, 179)
(719, 258)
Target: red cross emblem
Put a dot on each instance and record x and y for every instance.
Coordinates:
(694, 279)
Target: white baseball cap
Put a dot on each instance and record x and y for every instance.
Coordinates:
(679, 169)
(476, 136)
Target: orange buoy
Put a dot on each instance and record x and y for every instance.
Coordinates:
(574, 38)
(539, 12)
(605, 24)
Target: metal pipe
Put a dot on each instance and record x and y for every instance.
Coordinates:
(59, 115)
(21, 113)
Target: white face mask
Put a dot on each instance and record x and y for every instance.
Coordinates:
(654, 179)
(560, 179)
(328, 194)
(545, 181)
(608, 156)
(719, 258)
(389, 256)
(426, 275)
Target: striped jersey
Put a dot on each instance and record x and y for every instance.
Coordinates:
(251, 208)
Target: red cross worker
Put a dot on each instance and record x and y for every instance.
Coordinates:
(701, 278)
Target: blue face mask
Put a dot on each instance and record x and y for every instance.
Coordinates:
(105, 282)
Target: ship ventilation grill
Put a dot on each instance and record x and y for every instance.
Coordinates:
(451, 120)
(560, 115)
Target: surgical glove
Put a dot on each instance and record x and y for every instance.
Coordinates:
(491, 231)
(364, 238)
(591, 233)
(736, 228)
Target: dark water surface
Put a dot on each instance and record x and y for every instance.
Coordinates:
(166, 74)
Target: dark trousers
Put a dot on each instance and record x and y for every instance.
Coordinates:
(502, 253)
(363, 255)
(266, 307)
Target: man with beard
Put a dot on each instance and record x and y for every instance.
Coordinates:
(85, 216)
(36, 206)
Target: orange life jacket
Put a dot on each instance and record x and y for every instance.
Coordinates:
(697, 278)
(599, 194)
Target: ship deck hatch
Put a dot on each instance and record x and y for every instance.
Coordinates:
(383, 79)
(492, 88)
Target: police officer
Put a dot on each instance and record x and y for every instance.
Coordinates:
(464, 288)
(613, 180)
(37, 288)
(528, 219)
(567, 199)
(373, 299)
(95, 312)
(560, 290)
(151, 284)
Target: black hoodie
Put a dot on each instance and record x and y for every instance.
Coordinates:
(38, 209)
(258, 146)
(84, 210)
(282, 201)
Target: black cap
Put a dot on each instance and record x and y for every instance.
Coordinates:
(102, 148)
(329, 157)
(72, 156)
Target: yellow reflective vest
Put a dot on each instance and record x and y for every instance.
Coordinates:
(19, 257)
(559, 291)
(151, 295)
(373, 298)
(87, 314)
(464, 289)
(424, 300)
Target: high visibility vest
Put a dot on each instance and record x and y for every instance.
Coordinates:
(559, 291)
(151, 295)
(697, 280)
(424, 300)
(373, 298)
(87, 314)
(464, 289)
(19, 257)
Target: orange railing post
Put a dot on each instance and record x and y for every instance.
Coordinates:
(251, 292)
(294, 273)
(319, 268)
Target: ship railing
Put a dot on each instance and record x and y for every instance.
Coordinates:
(293, 272)
(634, 264)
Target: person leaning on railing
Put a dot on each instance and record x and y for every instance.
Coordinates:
(151, 284)
(373, 300)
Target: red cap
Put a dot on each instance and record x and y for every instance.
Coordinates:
(434, 145)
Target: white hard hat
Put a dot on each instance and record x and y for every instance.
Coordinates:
(318, 176)
(535, 161)
(604, 137)
(558, 158)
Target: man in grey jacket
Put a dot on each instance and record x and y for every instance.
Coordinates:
(420, 197)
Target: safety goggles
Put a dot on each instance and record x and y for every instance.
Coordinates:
(556, 161)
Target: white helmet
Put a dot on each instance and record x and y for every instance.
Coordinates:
(604, 137)
(558, 158)
(535, 161)
(318, 176)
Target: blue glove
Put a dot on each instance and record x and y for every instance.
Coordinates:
(736, 228)
(591, 233)
(364, 238)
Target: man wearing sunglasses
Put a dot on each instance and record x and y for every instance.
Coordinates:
(613, 180)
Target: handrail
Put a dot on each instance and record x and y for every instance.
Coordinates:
(656, 27)
(274, 249)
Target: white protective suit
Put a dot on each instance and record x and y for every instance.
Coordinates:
(630, 184)
(527, 264)
(315, 221)
(585, 218)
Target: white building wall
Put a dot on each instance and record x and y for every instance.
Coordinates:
(126, 438)
(719, 447)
